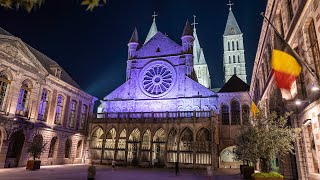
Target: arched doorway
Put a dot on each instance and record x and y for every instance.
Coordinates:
(227, 158)
(159, 143)
(16, 142)
(133, 147)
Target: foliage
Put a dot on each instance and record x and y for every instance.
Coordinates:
(29, 5)
(36, 148)
(267, 138)
(267, 175)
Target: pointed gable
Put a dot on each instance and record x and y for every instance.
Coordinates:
(235, 84)
(232, 27)
(159, 45)
(153, 31)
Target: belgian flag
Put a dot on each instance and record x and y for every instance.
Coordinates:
(284, 64)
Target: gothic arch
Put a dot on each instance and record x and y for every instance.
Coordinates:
(203, 134)
(95, 130)
(159, 135)
(7, 74)
(186, 134)
(135, 135)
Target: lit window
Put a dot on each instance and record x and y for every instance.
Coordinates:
(43, 107)
(23, 100)
(72, 115)
(84, 112)
(59, 110)
(4, 86)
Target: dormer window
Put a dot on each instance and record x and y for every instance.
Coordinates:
(58, 73)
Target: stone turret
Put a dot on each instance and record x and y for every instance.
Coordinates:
(133, 44)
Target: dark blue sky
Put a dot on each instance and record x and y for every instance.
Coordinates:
(92, 46)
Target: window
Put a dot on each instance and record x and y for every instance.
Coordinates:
(235, 113)
(83, 118)
(4, 86)
(225, 115)
(290, 10)
(59, 110)
(237, 45)
(58, 73)
(72, 115)
(44, 104)
(234, 70)
(234, 59)
(232, 45)
(314, 47)
(238, 58)
(23, 100)
(245, 114)
(53, 146)
(228, 45)
(67, 151)
(229, 59)
(79, 147)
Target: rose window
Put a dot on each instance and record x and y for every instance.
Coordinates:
(157, 79)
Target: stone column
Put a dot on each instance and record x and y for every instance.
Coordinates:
(3, 153)
(126, 152)
(103, 144)
(116, 143)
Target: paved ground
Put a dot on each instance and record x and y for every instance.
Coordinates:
(79, 172)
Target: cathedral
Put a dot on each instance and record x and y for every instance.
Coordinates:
(166, 111)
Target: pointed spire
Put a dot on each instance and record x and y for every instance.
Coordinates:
(232, 27)
(187, 31)
(134, 38)
(153, 30)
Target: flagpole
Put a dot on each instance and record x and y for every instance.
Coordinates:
(298, 57)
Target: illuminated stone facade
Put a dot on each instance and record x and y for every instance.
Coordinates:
(162, 114)
(38, 99)
(299, 23)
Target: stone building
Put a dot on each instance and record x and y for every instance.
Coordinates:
(162, 114)
(234, 61)
(39, 100)
(298, 21)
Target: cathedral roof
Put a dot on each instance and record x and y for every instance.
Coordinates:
(187, 31)
(197, 50)
(153, 31)
(232, 27)
(235, 84)
(46, 62)
(134, 37)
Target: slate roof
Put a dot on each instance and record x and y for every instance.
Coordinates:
(235, 84)
(232, 27)
(134, 37)
(187, 31)
(153, 31)
(46, 62)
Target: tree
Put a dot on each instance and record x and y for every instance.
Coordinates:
(266, 138)
(29, 5)
(36, 148)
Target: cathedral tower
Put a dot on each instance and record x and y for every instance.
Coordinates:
(234, 57)
(199, 62)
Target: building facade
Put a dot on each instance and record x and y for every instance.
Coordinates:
(162, 114)
(298, 21)
(39, 100)
(234, 61)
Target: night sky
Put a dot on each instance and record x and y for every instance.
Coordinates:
(92, 46)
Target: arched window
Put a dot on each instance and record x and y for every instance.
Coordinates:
(23, 100)
(59, 110)
(172, 145)
(234, 70)
(186, 155)
(4, 87)
(232, 45)
(67, 149)
(72, 114)
(79, 148)
(245, 114)
(228, 45)
(229, 59)
(235, 113)
(225, 114)
(238, 58)
(237, 45)
(234, 59)
(44, 104)
(53, 146)
(83, 118)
